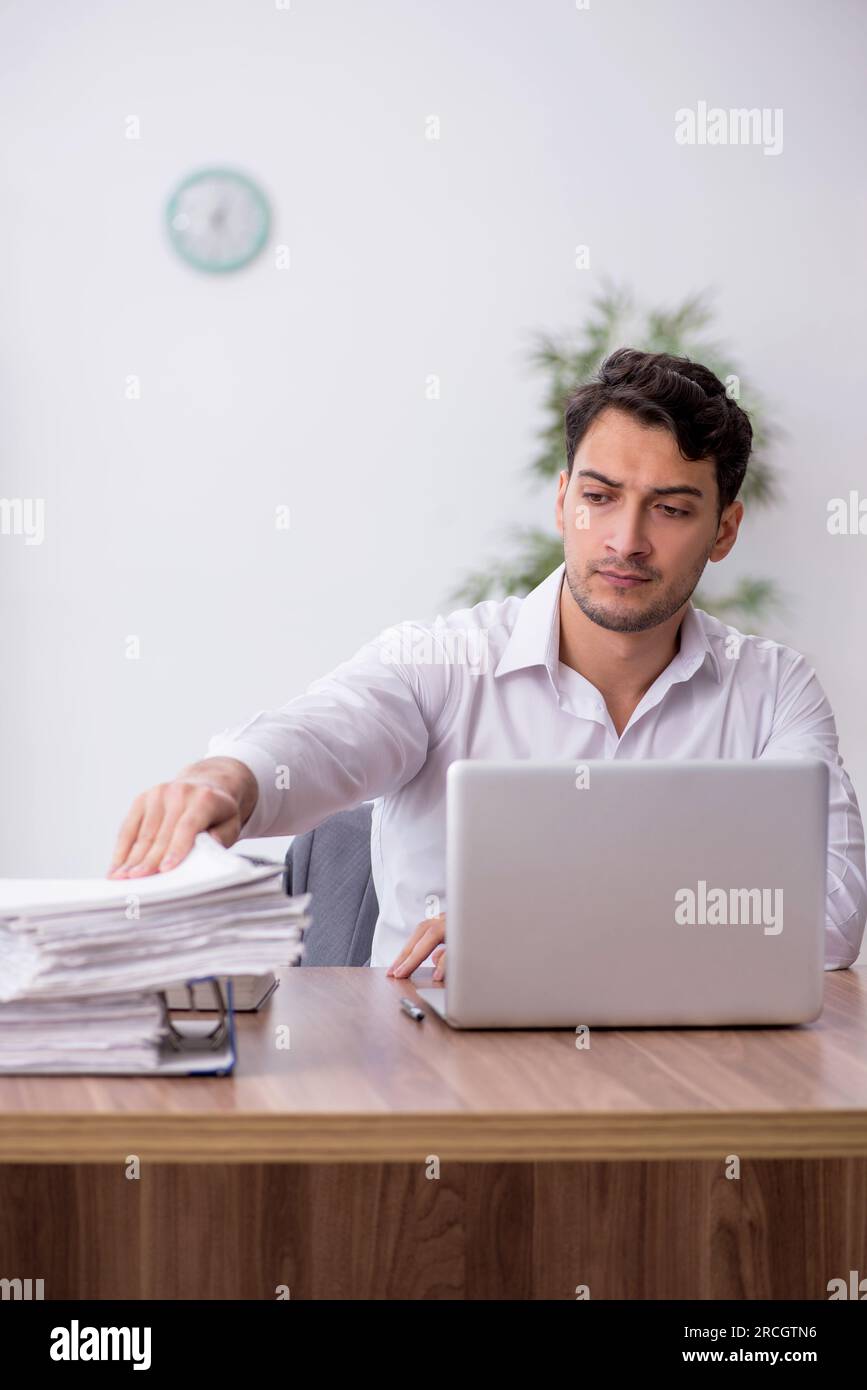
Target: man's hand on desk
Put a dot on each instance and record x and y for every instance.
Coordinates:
(427, 936)
(217, 794)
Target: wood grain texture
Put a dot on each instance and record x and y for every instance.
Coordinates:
(480, 1231)
(363, 1084)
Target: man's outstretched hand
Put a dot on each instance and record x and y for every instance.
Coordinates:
(217, 794)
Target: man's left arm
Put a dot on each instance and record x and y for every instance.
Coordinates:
(804, 727)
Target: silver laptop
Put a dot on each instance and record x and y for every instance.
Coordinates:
(634, 894)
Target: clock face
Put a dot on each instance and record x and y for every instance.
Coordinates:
(218, 220)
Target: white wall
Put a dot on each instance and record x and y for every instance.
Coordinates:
(306, 387)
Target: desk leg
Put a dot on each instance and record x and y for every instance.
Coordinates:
(626, 1230)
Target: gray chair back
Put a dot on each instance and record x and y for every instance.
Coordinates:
(332, 863)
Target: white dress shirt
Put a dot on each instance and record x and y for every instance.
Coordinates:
(486, 682)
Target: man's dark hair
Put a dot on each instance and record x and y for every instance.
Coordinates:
(677, 394)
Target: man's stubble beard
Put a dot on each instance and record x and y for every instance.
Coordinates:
(641, 619)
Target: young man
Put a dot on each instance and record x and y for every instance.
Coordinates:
(615, 662)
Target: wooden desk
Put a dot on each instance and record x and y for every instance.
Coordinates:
(558, 1166)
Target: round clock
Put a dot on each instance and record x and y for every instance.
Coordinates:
(218, 220)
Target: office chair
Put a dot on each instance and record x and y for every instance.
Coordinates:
(333, 863)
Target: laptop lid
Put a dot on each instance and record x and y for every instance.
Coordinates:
(651, 893)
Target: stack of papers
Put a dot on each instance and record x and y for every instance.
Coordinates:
(82, 960)
(115, 1032)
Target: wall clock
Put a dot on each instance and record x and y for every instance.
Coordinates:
(218, 220)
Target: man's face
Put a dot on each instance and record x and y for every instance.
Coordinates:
(634, 507)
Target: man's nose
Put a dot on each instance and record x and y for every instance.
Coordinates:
(627, 538)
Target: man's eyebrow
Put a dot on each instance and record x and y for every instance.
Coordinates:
(652, 491)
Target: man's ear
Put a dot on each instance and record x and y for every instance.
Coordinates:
(563, 484)
(727, 531)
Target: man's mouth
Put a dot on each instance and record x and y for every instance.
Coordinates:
(621, 581)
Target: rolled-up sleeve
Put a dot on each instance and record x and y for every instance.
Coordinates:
(358, 733)
(804, 727)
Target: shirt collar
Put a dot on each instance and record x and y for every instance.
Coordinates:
(535, 638)
(695, 646)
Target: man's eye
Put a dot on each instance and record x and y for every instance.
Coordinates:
(598, 497)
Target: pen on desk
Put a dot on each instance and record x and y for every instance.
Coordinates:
(412, 1009)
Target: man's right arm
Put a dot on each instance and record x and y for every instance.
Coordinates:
(358, 733)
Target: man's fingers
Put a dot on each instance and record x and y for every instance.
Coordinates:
(184, 836)
(162, 823)
(184, 814)
(432, 937)
(439, 958)
(410, 945)
(150, 823)
(227, 832)
(127, 834)
(150, 861)
(170, 818)
(420, 931)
